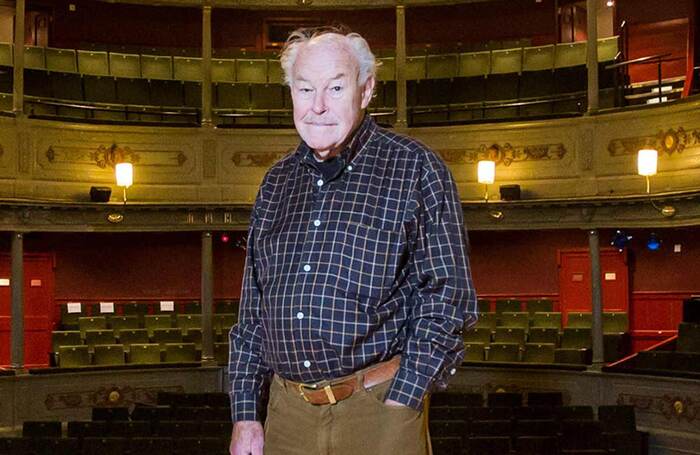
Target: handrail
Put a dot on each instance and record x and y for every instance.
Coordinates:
(647, 59)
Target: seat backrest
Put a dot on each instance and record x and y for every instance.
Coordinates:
(539, 306)
(144, 353)
(73, 356)
(125, 65)
(579, 320)
(6, 54)
(570, 54)
(187, 68)
(539, 353)
(61, 60)
(180, 352)
(576, 338)
(109, 354)
(252, 70)
(615, 322)
(506, 61)
(65, 338)
(519, 319)
(443, 66)
(474, 64)
(538, 58)
(223, 70)
(156, 67)
(387, 69)
(34, 58)
(94, 337)
(131, 336)
(415, 68)
(503, 352)
(93, 63)
(546, 319)
(508, 305)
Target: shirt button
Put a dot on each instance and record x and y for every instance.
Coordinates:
(349, 168)
(320, 182)
(300, 315)
(317, 223)
(453, 371)
(307, 364)
(307, 268)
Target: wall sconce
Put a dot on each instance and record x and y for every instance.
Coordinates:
(647, 165)
(125, 176)
(486, 174)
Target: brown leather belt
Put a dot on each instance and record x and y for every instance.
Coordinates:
(335, 390)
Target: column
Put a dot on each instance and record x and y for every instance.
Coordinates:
(596, 299)
(401, 97)
(592, 54)
(17, 290)
(18, 69)
(207, 299)
(206, 66)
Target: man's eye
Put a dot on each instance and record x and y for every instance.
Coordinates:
(305, 90)
(336, 88)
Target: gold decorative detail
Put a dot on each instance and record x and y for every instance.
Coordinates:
(666, 142)
(115, 218)
(246, 159)
(106, 396)
(671, 407)
(108, 156)
(505, 154)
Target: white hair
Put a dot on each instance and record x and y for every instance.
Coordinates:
(353, 42)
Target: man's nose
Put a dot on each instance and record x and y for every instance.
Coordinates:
(319, 106)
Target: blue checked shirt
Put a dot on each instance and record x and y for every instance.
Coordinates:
(345, 272)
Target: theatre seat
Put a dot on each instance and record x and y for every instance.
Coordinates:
(73, 356)
(517, 319)
(576, 338)
(122, 322)
(144, 353)
(546, 319)
(109, 354)
(477, 335)
(509, 335)
(503, 352)
(504, 399)
(579, 320)
(543, 335)
(538, 306)
(552, 399)
(65, 338)
(539, 353)
(39, 429)
(474, 352)
(486, 321)
(508, 305)
(180, 352)
(489, 445)
(536, 445)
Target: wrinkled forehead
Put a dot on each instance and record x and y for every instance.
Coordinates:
(320, 57)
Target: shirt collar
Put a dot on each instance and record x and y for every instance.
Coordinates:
(360, 137)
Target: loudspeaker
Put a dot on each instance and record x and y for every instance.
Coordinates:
(691, 310)
(100, 193)
(510, 192)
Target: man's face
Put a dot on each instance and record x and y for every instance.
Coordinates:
(328, 102)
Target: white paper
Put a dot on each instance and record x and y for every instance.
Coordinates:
(610, 276)
(167, 305)
(4, 281)
(35, 283)
(106, 307)
(73, 307)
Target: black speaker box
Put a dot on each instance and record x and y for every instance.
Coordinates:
(100, 193)
(691, 310)
(510, 192)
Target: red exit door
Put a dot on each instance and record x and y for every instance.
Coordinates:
(38, 306)
(575, 280)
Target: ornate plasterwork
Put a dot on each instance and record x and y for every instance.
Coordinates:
(504, 154)
(672, 407)
(666, 142)
(107, 156)
(248, 159)
(106, 396)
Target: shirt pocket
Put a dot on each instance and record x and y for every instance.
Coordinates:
(368, 261)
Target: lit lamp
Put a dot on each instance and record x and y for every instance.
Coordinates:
(125, 176)
(647, 163)
(486, 174)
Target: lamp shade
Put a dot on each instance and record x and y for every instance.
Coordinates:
(486, 171)
(125, 174)
(646, 162)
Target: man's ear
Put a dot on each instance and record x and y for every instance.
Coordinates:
(367, 91)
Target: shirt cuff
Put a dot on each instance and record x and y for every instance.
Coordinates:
(244, 406)
(409, 388)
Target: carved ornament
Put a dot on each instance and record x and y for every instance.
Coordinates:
(666, 142)
(106, 396)
(672, 407)
(247, 159)
(504, 154)
(108, 156)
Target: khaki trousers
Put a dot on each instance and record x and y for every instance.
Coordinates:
(359, 425)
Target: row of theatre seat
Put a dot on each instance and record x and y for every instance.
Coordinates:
(441, 88)
(540, 337)
(178, 424)
(460, 424)
(679, 357)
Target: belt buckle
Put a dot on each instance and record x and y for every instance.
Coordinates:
(303, 387)
(327, 389)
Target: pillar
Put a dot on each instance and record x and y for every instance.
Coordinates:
(206, 67)
(17, 290)
(18, 68)
(207, 299)
(401, 96)
(592, 54)
(596, 299)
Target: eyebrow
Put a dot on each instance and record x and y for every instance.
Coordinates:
(336, 77)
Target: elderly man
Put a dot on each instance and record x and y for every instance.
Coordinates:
(357, 283)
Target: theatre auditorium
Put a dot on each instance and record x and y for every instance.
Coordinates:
(134, 136)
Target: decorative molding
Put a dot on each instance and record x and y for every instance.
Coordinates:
(585, 151)
(106, 396)
(108, 156)
(674, 407)
(505, 154)
(252, 159)
(209, 159)
(666, 142)
(24, 153)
